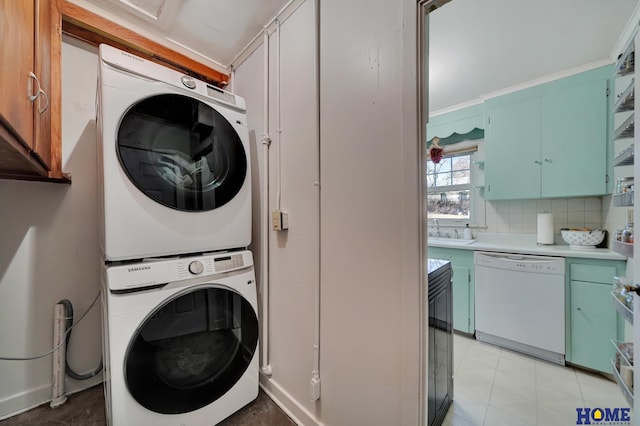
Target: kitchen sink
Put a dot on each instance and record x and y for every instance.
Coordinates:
(449, 241)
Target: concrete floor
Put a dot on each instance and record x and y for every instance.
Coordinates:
(86, 408)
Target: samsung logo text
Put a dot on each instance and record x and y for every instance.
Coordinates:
(138, 268)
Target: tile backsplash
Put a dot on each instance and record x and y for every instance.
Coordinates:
(520, 216)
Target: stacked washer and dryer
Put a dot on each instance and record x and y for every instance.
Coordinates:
(180, 323)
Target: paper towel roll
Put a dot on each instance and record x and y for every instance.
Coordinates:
(545, 228)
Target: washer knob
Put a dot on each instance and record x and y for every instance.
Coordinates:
(188, 82)
(196, 267)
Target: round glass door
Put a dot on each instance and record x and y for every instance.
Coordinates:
(181, 153)
(191, 350)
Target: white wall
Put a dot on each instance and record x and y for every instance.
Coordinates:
(294, 254)
(49, 251)
(369, 220)
(520, 216)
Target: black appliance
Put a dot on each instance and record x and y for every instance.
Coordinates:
(440, 335)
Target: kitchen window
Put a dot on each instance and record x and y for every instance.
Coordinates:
(450, 187)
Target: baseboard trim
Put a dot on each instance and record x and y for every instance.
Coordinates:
(299, 414)
(30, 399)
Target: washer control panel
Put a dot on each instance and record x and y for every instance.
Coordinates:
(124, 61)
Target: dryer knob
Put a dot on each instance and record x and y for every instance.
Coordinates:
(188, 81)
(196, 267)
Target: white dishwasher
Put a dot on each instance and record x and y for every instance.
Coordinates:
(520, 303)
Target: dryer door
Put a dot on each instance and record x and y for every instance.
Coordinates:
(181, 152)
(191, 350)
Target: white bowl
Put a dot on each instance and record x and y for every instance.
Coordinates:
(582, 238)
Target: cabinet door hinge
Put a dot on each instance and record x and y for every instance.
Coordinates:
(469, 278)
(488, 120)
(606, 178)
(608, 92)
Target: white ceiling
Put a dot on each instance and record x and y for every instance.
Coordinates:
(216, 30)
(476, 46)
(482, 46)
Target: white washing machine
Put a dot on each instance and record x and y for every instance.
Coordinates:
(180, 339)
(173, 160)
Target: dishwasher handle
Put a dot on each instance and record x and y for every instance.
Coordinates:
(512, 257)
(520, 262)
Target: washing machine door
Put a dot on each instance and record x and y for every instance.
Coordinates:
(181, 152)
(191, 350)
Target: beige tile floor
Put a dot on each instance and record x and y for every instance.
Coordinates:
(494, 387)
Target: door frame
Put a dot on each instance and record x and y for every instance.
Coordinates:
(424, 7)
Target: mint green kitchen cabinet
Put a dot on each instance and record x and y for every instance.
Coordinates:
(574, 141)
(549, 140)
(512, 137)
(463, 286)
(591, 322)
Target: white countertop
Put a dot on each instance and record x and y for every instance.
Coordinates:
(523, 244)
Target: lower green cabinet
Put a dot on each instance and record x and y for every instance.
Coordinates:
(592, 323)
(463, 286)
(462, 302)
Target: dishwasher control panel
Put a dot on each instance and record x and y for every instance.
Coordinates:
(521, 262)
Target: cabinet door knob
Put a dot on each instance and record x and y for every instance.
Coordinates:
(538, 162)
(546, 160)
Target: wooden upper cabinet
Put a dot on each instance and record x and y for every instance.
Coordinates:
(17, 32)
(26, 104)
(44, 33)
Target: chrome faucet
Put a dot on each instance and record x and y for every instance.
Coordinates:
(437, 224)
(455, 231)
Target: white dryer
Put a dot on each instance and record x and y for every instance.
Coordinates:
(173, 160)
(180, 339)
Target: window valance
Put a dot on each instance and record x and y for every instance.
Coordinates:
(457, 126)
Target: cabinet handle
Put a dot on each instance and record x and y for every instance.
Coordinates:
(42, 109)
(39, 92)
(538, 162)
(32, 97)
(546, 160)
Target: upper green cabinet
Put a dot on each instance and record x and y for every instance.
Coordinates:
(512, 137)
(550, 140)
(574, 141)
